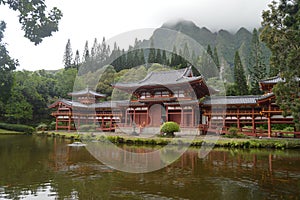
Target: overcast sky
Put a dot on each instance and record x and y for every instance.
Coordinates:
(89, 19)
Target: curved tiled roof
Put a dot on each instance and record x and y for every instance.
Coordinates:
(85, 92)
(75, 104)
(272, 80)
(163, 78)
(231, 100)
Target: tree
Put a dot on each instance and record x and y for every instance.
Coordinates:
(7, 65)
(240, 82)
(68, 55)
(257, 68)
(37, 24)
(86, 52)
(216, 58)
(207, 66)
(152, 52)
(158, 56)
(36, 21)
(281, 33)
(77, 60)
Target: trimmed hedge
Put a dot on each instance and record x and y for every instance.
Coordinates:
(17, 127)
(169, 128)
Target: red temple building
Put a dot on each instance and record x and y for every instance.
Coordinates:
(175, 95)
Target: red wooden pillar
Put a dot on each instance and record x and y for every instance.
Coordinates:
(69, 123)
(56, 123)
(193, 116)
(126, 117)
(167, 113)
(182, 120)
(253, 121)
(134, 115)
(147, 117)
(238, 117)
(269, 125)
(110, 125)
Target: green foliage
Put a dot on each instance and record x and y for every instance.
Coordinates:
(42, 127)
(169, 128)
(233, 131)
(156, 67)
(68, 56)
(281, 28)
(7, 65)
(257, 66)
(240, 82)
(17, 127)
(36, 21)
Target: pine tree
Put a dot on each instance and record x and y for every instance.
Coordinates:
(68, 55)
(77, 59)
(258, 69)
(86, 52)
(158, 58)
(216, 58)
(94, 50)
(209, 51)
(164, 58)
(152, 53)
(240, 82)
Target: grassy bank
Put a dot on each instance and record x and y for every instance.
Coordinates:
(197, 142)
(8, 132)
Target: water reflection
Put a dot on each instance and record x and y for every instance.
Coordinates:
(47, 168)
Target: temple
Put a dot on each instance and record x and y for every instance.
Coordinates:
(175, 95)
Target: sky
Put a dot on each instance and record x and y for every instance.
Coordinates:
(89, 19)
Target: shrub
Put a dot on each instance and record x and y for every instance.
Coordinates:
(17, 127)
(52, 126)
(233, 131)
(42, 127)
(169, 128)
(288, 129)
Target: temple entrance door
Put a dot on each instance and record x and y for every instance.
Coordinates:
(156, 112)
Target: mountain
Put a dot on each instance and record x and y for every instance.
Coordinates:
(227, 43)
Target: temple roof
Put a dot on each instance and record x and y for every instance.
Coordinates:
(266, 96)
(75, 104)
(163, 78)
(86, 92)
(272, 80)
(231, 100)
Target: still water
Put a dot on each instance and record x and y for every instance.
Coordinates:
(47, 168)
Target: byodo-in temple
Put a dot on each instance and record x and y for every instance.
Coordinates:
(175, 95)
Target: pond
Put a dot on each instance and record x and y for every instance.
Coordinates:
(47, 168)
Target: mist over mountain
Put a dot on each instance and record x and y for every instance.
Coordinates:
(226, 42)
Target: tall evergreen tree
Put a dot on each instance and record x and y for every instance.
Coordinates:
(77, 59)
(164, 58)
(86, 52)
(209, 51)
(152, 52)
(240, 82)
(258, 69)
(95, 50)
(216, 58)
(158, 58)
(68, 55)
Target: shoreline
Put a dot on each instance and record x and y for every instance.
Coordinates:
(193, 141)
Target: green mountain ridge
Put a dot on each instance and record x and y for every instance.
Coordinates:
(227, 43)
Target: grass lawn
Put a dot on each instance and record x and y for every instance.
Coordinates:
(8, 132)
